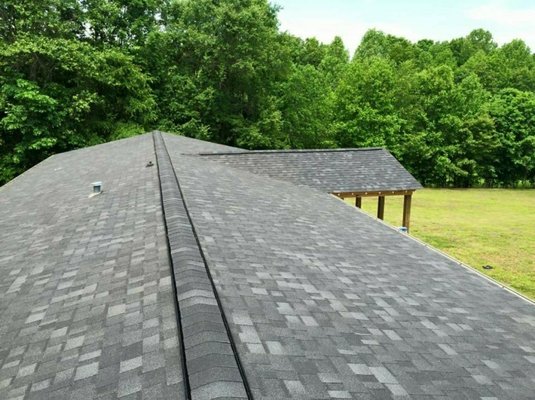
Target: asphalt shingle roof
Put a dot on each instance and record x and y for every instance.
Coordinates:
(281, 290)
(86, 301)
(341, 170)
(211, 361)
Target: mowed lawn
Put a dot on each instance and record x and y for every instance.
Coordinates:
(479, 227)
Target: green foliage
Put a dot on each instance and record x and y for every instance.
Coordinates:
(79, 72)
(377, 44)
(455, 113)
(124, 23)
(50, 18)
(366, 114)
(125, 130)
(218, 70)
(58, 94)
(306, 109)
(514, 114)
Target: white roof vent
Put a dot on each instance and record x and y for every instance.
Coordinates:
(97, 188)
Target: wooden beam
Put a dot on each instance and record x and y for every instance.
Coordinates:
(407, 200)
(381, 208)
(344, 195)
(358, 201)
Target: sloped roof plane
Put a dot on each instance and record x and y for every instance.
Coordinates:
(332, 171)
(195, 279)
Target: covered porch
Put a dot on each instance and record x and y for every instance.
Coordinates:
(381, 196)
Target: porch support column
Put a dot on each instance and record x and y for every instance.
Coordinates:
(381, 208)
(407, 200)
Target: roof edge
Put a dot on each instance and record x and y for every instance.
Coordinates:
(237, 153)
(458, 262)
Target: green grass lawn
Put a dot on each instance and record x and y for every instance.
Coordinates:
(477, 226)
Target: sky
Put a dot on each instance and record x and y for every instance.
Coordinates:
(411, 19)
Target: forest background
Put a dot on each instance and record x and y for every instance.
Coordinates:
(74, 73)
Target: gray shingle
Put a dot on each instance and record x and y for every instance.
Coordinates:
(322, 301)
(66, 262)
(344, 170)
(207, 358)
(382, 302)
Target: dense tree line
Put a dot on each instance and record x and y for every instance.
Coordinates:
(79, 72)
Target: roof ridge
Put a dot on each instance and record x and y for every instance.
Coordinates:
(223, 147)
(294, 151)
(207, 329)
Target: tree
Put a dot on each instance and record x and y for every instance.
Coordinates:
(335, 62)
(307, 109)
(78, 72)
(125, 23)
(445, 121)
(225, 67)
(378, 44)
(312, 52)
(59, 94)
(365, 111)
(477, 40)
(513, 112)
(50, 18)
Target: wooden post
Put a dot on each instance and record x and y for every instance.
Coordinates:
(407, 200)
(358, 201)
(381, 208)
